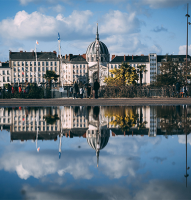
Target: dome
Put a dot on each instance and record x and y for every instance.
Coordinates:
(92, 48)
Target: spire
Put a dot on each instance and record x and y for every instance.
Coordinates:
(97, 34)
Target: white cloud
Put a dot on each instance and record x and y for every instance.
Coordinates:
(117, 22)
(182, 139)
(163, 3)
(37, 25)
(182, 50)
(58, 8)
(26, 2)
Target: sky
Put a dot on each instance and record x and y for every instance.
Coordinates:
(127, 27)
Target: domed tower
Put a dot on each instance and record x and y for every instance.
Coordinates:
(97, 50)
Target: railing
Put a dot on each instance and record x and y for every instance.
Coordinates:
(144, 91)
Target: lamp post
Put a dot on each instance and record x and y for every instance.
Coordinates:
(187, 15)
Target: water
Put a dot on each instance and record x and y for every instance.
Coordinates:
(95, 152)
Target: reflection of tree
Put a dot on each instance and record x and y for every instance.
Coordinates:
(50, 118)
(174, 119)
(125, 118)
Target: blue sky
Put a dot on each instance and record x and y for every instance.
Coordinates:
(125, 26)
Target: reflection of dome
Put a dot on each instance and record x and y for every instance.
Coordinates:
(92, 48)
(92, 140)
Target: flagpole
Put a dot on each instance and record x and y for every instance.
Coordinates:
(36, 66)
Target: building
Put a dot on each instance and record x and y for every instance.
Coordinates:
(74, 68)
(5, 74)
(31, 66)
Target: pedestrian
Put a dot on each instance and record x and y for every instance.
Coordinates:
(20, 89)
(96, 88)
(81, 92)
(75, 90)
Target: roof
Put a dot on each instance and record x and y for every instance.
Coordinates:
(4, 65)
(75, 59)
(181, 57)
(92, 48)
(120, 59)
(31, 56)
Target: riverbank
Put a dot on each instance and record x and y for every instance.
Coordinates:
(95, 102)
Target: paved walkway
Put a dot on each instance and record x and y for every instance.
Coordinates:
(95, 102)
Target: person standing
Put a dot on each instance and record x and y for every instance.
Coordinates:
(96, 88)
(75, 90)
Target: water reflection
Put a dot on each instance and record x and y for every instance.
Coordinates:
(69, 143)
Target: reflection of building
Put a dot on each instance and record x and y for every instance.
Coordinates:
(26, 120)
(5, 118)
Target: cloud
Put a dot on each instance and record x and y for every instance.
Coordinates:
(159, 29)
(36, 25)
(58, 8)
(46, 163)
(162, 3)
(26, 2)
(182, 50)
(117, 22)
(154, 189)
(182, 139)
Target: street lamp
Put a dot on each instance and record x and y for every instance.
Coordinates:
(187, 15)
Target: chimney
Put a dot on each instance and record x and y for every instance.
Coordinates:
(65, 56)
(0, 63)
(142, 54)
(70, 56)
(84, 56)
(58, 56)
(132, 57)
(21, 51)
(54, 52)
(112, 57)
(124, 58)
(33, 53)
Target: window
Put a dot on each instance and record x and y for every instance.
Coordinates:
(26, 69)
(55, 69)
(35, 80)
(14, 63)
(3, 72)
(31, 80)
(18, 74)
(18, 63)
(27, 80)
(35, 69)
(50, 64)
(111, 66)
(26, 63)
(14, 80)
(39, 63)
(39, 69)
(84, 66)
(42, 64)
(51, 68)
(27, 74)
(8, 72)
(23, 80)
(46, 68)
(3, 79)
(14, 69)
(46, 63)
(18, 69)
(43, 69)
(73, 66)
(31, 69)
(80, 66)
(55, 63)
(14, 74)
(23, 64)
(22, 68)
(34, 63)
(30, 63)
